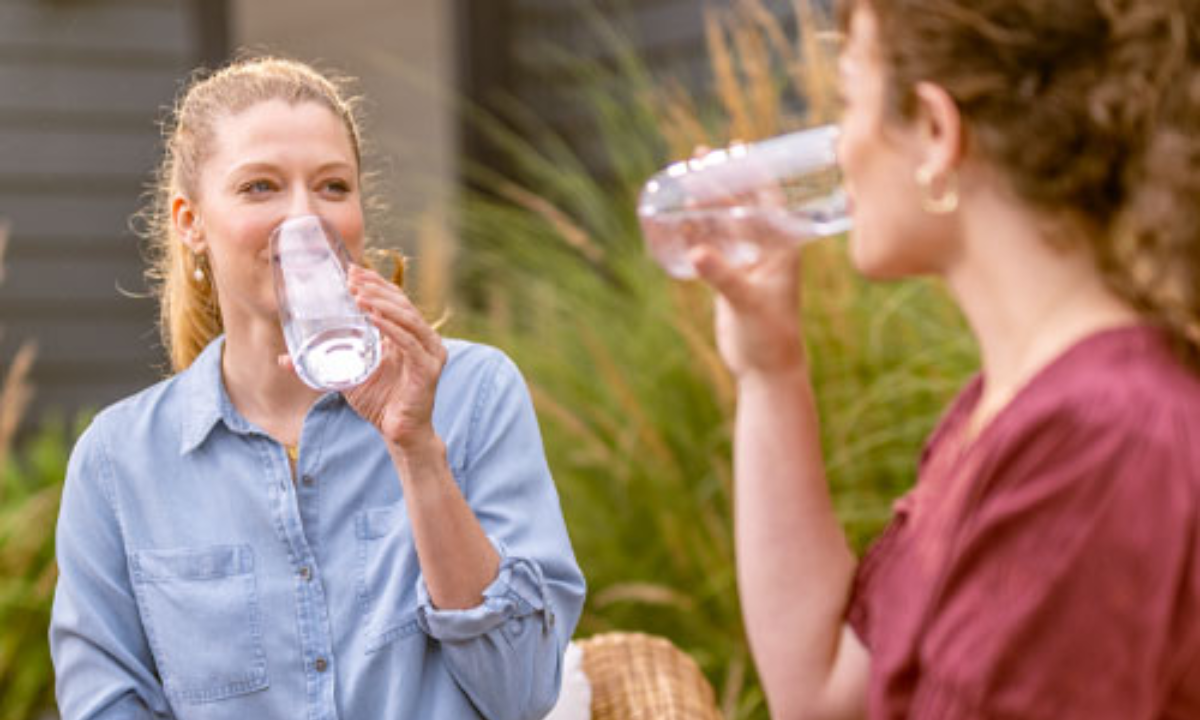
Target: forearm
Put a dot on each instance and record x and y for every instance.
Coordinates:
(794, 564)
(503, 605)
(457, 560)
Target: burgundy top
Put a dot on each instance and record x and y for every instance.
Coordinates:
(1051, 569)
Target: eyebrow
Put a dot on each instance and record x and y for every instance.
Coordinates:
(253, 167)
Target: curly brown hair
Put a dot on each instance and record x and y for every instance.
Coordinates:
(1091, 109)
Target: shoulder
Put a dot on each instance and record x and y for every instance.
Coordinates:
(480, 388)
(476, 369)
(1122, 387)
(468, 358)
(1077, 533)
(484, 409)
(129, 431)
(1111, 430)
(1129, 376)
(156, 411)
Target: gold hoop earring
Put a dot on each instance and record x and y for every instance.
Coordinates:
(943, 204)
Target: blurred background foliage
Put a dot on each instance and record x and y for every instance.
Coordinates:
(635, 404)
(31, 477)
(30, 487)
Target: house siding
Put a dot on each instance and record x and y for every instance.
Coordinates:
(83, 85)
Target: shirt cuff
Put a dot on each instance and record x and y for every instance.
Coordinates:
(518, 591)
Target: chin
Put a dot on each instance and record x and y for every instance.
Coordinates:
(870, 258)
(893, 256)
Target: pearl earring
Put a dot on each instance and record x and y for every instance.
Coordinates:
(198, 273)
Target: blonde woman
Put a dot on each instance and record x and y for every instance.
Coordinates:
(233, 544)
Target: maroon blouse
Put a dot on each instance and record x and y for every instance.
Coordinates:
(1051, 569)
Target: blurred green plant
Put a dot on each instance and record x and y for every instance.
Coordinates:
(30, 486)
(15, 389)
(635, 404)
(30, 489)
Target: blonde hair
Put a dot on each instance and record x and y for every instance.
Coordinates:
(189, 315)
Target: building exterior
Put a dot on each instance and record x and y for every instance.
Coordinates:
(81, 87)
(83, 84)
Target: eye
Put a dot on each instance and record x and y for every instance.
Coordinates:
(336, 186)
(256, 187)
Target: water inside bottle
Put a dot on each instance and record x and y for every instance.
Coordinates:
(745, 200)
(740, 233)
(340, 353)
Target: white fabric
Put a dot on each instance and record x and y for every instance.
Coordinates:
(575, 698)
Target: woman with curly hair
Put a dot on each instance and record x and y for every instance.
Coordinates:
(1042, 158)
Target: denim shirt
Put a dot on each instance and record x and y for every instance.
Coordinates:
(197, 580)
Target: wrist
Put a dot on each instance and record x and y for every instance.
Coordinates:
(418, 450)
(779, 353)
(776, 378)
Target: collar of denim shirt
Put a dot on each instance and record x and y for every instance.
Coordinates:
(208, 403)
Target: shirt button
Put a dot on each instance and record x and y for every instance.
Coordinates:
(308, 481)
(320, 665)
(305, 573)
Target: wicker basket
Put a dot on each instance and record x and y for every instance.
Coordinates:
(642, 677)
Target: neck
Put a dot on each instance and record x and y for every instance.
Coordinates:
(268, 395)
(1025, 301)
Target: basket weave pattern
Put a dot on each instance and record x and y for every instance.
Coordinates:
(640, 677)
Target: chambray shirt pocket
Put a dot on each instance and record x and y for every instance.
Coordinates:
(202, 617)
(387, 572)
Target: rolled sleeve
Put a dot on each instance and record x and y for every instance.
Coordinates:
(517, 594)
(506, 654)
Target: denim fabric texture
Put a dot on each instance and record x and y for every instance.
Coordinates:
(200, 579)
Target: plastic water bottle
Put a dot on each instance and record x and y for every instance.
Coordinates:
(745, 200)
(333, 344)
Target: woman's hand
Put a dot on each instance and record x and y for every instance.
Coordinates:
(398, 397)
(758, 331)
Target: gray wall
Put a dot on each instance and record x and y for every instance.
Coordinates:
(82, 83)
(402, 54)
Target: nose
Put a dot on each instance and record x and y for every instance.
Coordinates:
(301, 202)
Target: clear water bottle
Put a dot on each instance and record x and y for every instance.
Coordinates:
(333, 344)
(745, 200)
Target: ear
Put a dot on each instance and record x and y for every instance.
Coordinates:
(940, 129)
(187, 223)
